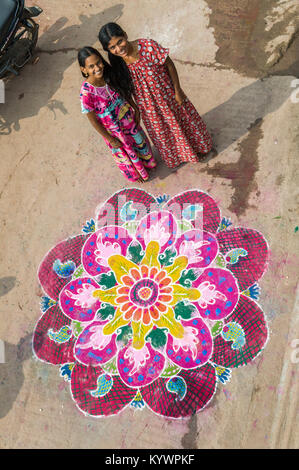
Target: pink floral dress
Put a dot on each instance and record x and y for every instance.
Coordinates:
(117, 116)
(177, 131)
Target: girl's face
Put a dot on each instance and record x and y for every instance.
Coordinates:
(94, 67)
(119, 46)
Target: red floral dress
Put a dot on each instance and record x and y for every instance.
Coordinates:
(176, 130)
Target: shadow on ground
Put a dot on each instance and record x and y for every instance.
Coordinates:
(11, 372)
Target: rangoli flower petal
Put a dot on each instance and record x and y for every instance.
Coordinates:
(158, 226)
(194, 349)
(102, 244)
(96, 398)
(124, 206)
(140, 368)
(167, 320)
(77, 301)
(121, 266)
(250, 267)
(150, 258)
(53, 341)
(117, 321)
(243, 337)
(200, 247)
(196, 206)
(219, 293)
(53, 279)
(183, 293)
(200, 386)
(93, 347)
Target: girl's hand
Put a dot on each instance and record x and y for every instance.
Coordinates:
(180, 96)
(115, 142)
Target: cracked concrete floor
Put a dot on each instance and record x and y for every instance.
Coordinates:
(238, 63)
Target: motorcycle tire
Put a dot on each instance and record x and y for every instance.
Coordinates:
(21, 51)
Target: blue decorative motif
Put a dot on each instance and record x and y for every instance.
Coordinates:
(162, 199)
(223, 374)
(253, 291)
(189, 212)
(61, 336)
(224, 224)
(66, 371)
(138, 402)
(104, 385)
(127, 212)
(177, 385)
(64, 270)
(46, 303)
(234, 332)
(232, 257)
(89, 226)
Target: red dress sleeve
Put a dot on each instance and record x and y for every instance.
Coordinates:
(86, 98)
(154, 52)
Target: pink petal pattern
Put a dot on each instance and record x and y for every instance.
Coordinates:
(159, 226)
(195, 349)
(138, 370)
(77, 305)
(250, 268)
(201, 386)
(109, 213)
(102, 244)
(211, 212)
(219, 293)
(45, 348)
(251, 318)
(200, 247)
(84, 380)
(67, 250)
(93, 347)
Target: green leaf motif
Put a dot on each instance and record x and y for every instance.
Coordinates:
(157, 337)
(78, 273)
(125, 334)
(217, 328)
(184, 225)
(170, 369)
(187, 277)
(135, 252)
(107, 280)
(105, 312)
(110, 367)
(167, 257)
(220, 261)
(77, 328)
(131, 226)
(184, 310)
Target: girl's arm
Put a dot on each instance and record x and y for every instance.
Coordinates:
(179, 94)
(116, 143)
(135, 107)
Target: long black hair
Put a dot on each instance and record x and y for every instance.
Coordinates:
(109, 75)
(107, 32)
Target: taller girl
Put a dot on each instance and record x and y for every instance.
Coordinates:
(145, 69)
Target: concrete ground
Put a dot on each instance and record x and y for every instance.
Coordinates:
(237, 63)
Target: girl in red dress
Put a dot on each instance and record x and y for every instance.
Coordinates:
(145, 69)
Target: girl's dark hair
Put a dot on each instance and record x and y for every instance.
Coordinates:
(107, 32)
(109, 75)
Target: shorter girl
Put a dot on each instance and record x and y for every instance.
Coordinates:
(111, 113)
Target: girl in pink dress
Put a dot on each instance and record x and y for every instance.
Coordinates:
(145, 70)
(113, 116)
